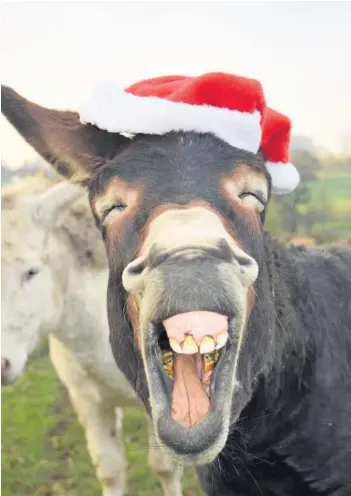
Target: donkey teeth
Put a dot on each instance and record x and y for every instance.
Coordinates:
(189, 345)
(175, 345)
(207, 345)
(167, 362)
(221, 340)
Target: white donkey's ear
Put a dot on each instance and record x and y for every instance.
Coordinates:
(47, 206)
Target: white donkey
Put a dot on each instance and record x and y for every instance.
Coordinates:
(54, 281)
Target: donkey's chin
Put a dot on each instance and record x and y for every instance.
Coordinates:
(189, 394)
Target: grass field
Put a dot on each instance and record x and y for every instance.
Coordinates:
(337, 187)
(336, 192)
(43, 446)
(330, 195)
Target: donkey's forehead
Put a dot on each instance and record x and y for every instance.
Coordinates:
(15, 253)
(188, 162)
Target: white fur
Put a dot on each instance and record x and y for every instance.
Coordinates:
(285, 177)
(66, 301)
(112, 109)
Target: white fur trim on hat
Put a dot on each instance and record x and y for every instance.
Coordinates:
(112, 109)
(285, 177)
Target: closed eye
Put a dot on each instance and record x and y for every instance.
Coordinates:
(110, 212)
(253, 200)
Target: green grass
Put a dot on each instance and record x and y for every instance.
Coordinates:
(336, 191)
(338, 225)
(43, 446)
(330, 194)
(336, 187)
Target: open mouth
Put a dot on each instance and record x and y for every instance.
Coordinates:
(191, 321)
(190, 347)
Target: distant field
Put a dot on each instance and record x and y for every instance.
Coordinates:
(43, 447)
(336, 192)
(337, 188)
(330, 195)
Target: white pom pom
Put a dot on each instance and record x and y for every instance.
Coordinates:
(285, 177)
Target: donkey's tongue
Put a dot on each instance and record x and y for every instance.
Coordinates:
(190, 402)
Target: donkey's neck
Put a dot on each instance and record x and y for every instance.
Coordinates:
(81, 321)
(84, 332)
(293, 294)
(285, 373)
(84, 315)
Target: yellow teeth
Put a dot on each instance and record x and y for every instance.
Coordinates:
(167, 362)
(207, 345)
(175, 345)
(210, 360)
(189, 345)
(221, 340)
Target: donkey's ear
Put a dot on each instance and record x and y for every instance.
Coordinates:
(74, 149)
(47, 206)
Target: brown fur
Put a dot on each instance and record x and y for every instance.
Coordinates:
(240, 176)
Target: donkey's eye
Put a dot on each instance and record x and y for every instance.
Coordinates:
(29, 274)
(254, 201)
(109, 213)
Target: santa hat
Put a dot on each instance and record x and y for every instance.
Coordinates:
(232, 108)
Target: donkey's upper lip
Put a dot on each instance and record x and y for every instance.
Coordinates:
(157, 257)
(197, 324)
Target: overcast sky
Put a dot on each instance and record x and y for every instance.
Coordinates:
(300, 51)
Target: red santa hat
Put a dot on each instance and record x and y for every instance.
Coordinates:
(233, 108)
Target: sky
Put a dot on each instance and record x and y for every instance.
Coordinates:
(53, 52)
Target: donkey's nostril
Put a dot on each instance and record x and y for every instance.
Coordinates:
(248, 266)
(5, 365)
(133, 276)
(226, 252)
(244, 261)
(136, 269)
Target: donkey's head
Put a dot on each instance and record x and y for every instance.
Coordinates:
(31, 260)
(189, 295)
